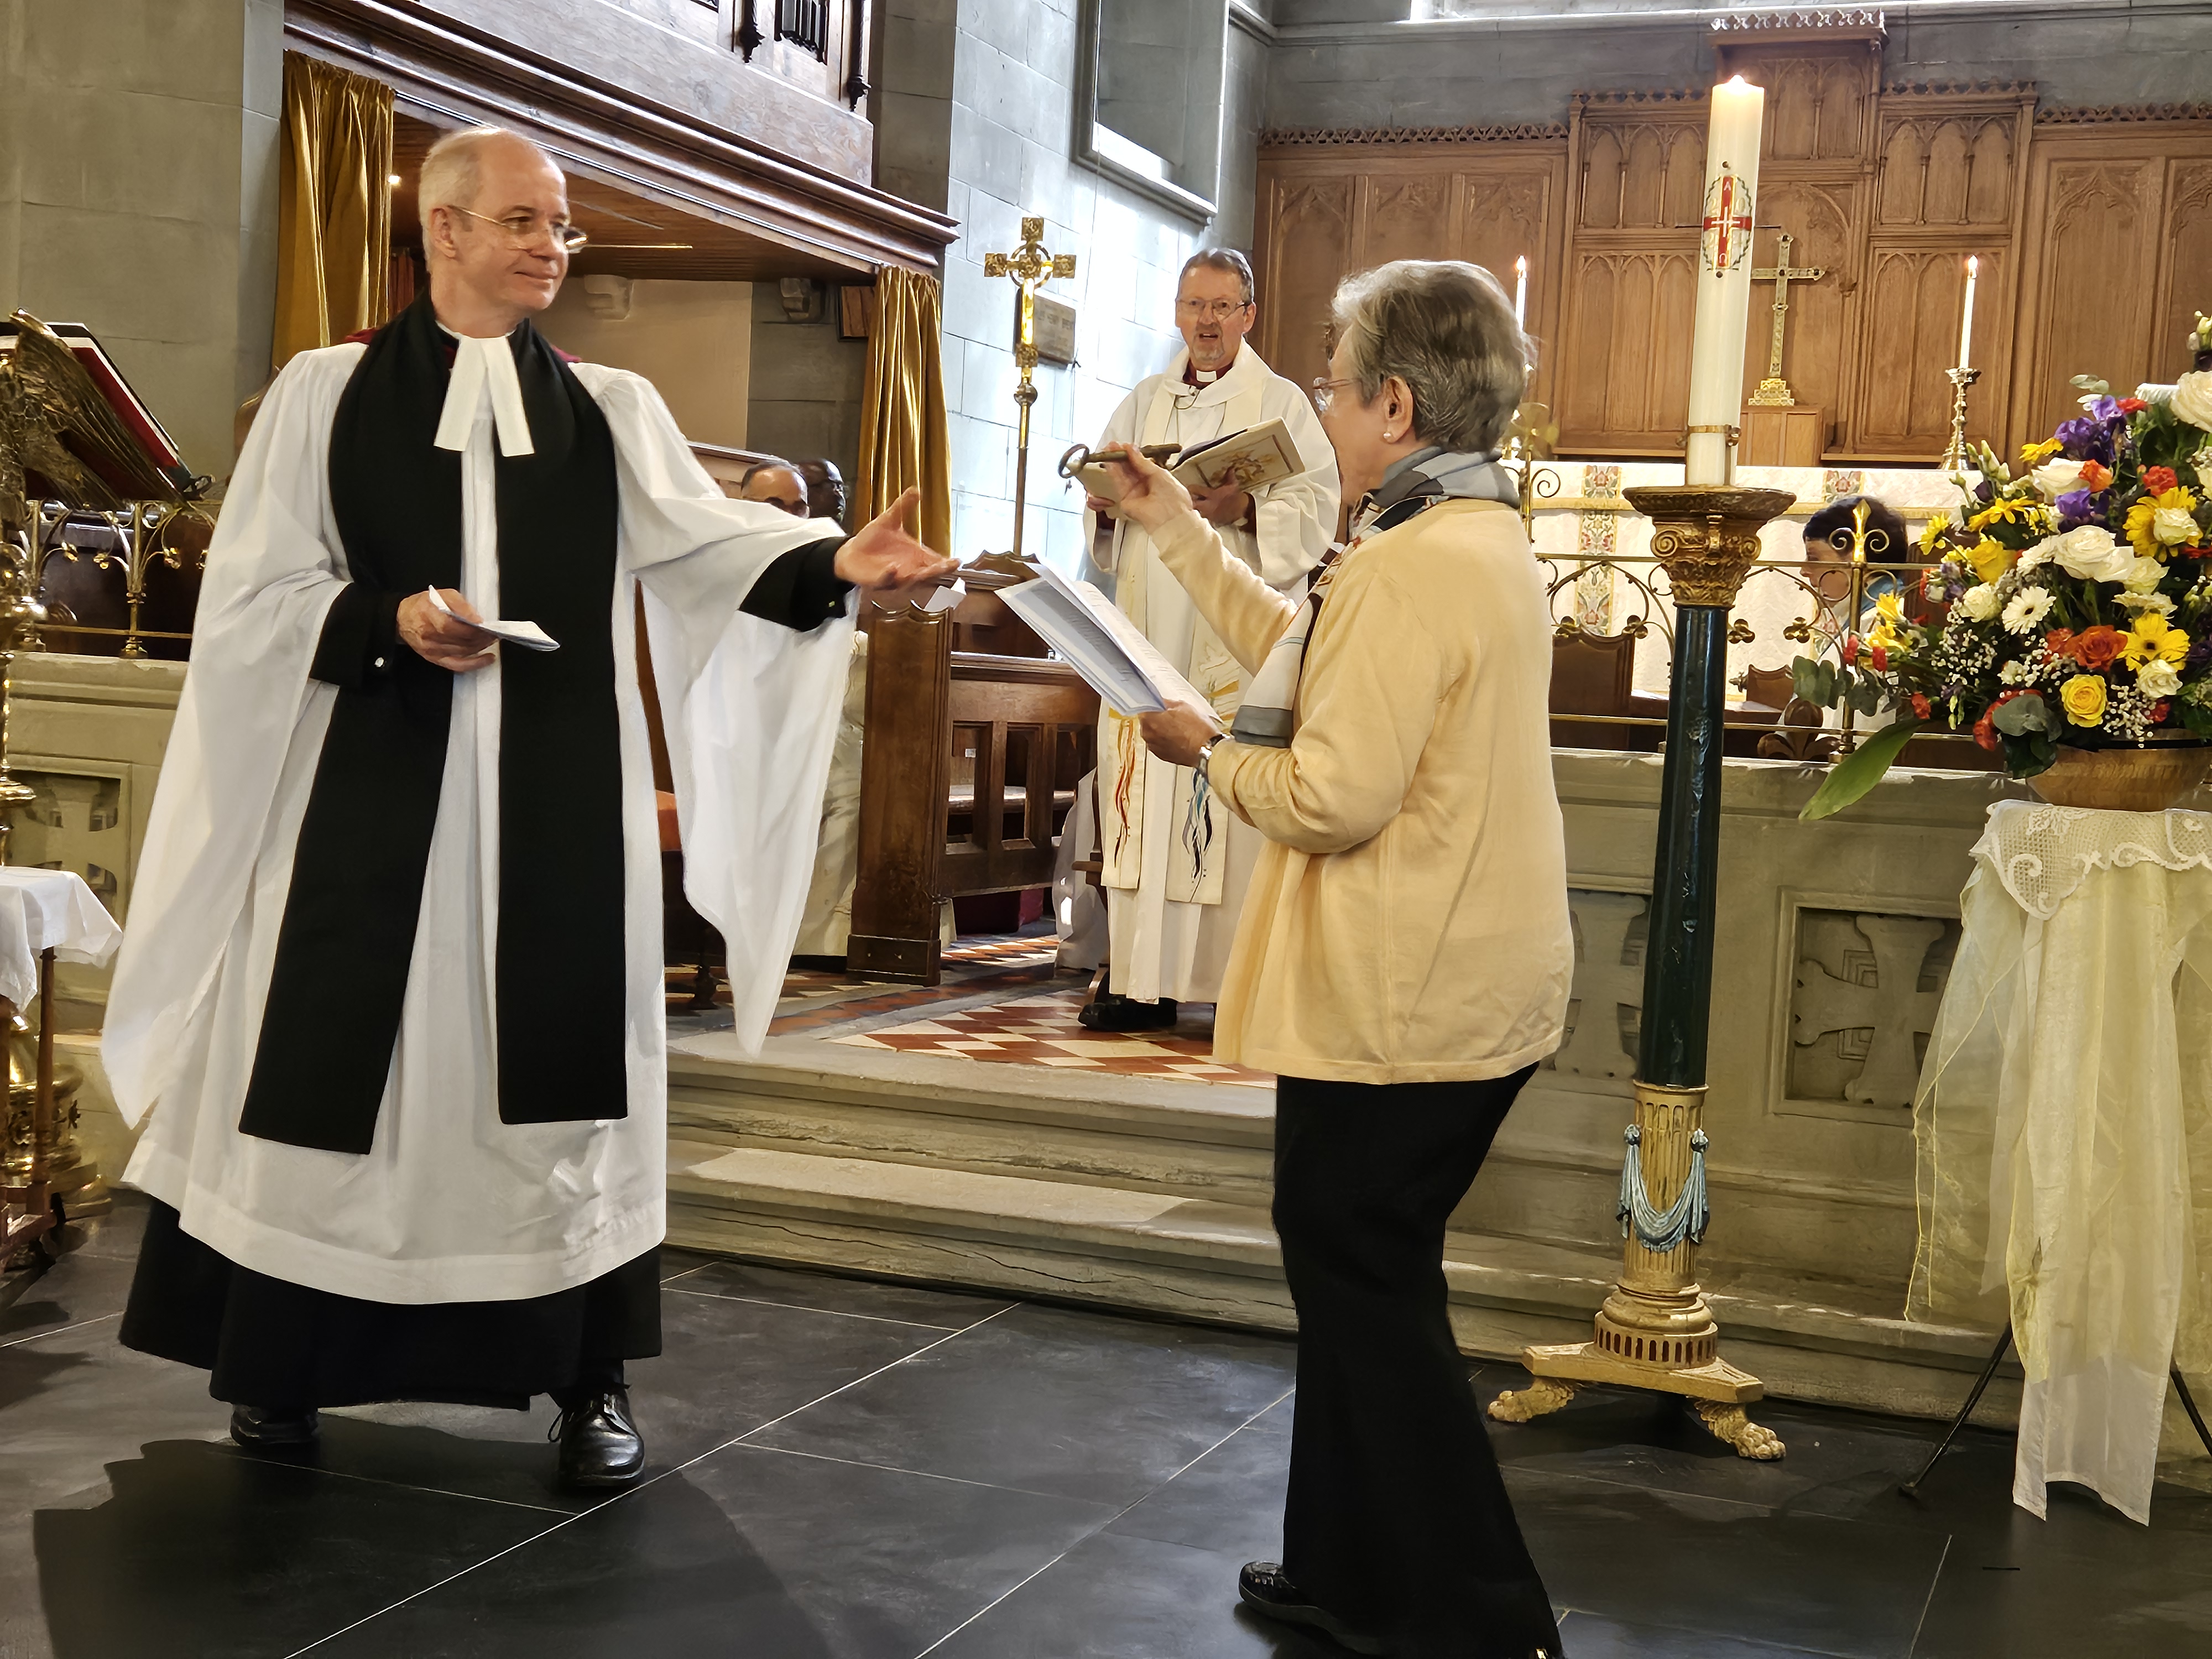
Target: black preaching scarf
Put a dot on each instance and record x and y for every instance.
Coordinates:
(343, 951)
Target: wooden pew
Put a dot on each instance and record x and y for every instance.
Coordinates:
(967, 778)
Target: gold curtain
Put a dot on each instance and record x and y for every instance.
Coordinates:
(334, 217)
(903, 438)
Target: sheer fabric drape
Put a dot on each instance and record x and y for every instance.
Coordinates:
(2064, 1131)
(903, 436)
(334, 215)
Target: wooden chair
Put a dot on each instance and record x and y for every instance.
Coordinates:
(1595, 674)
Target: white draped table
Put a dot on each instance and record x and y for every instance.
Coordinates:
(2064, 1131)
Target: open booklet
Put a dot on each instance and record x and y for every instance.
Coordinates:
(1101, 644)
(1251, 459)
(528, 634)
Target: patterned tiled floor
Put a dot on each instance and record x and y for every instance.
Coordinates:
(1041, 1031)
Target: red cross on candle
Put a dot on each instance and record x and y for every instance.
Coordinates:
(1728, 210)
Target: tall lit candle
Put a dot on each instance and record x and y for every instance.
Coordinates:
(1520, 291)
(1724, 312)
(1966, 315)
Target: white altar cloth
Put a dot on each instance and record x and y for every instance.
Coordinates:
(2064, 1131)
(48, 910)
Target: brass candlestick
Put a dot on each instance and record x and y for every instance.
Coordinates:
(1954, 457)
(1655, 1330)
(1031, 268)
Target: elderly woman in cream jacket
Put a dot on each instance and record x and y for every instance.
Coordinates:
(1405, 954)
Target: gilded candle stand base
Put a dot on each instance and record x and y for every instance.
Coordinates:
(1655, 1330)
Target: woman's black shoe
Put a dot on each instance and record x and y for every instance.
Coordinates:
(1110, 1011)
(600, 1446)
(260, 1429)
(1268, 1590)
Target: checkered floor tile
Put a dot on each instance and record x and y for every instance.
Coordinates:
(1041, 1031)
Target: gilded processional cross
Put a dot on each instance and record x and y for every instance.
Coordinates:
(1031, 268)
(1774, 389)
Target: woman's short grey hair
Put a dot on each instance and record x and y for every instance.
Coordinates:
(1446, 329)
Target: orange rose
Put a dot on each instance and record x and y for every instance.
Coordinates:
(2099, 647)
(2096, 474)
(2059, 641)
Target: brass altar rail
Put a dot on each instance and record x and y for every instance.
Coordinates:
(141, 527)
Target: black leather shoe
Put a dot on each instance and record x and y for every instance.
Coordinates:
(1269, 1591)
(1110, 1011)
(260, 1429)
(600, 1446)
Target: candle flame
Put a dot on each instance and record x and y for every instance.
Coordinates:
(1521, 266)
(1973, 264)
(1735, 81)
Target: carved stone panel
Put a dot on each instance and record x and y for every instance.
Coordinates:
(80, 821)
(1605, 1014)
(1865, 992)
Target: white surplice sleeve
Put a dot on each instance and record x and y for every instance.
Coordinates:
(273, 570)
(749, 707)
(1296, 519)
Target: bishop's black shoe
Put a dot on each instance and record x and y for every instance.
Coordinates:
(600, 1446)
(1110, 1011)
(1269, 1591)
(258, 1428)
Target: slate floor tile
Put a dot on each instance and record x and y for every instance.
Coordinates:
(1048, 1400)
(727, 1367)
(1230, 1500)
(184, 1551)
(1722, 1568)
(917, 1304)
(752, 1555)
(1587, 1637)
(1114, 1597)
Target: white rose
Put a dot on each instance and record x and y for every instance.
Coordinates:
(2139, 603)
(2157, 678)
(2015, 672)
(1979, 602)
(2039, 554)
(2174, 526)
(2091, 553)
(2055, 477)
(2192, 399)
(2142, 575)
(2027, 609)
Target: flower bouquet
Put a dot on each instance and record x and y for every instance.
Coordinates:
(2068, 604)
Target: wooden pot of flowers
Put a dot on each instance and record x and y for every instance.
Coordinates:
(2068, 616)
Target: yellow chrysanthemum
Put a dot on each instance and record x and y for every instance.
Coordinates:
(1886, 637)
(2083, 699)
(1890, 607)
(2006, 509)
(2167, 521)
(1989, 560)
(2154, 639)
(2032, 454)
(1933, 534)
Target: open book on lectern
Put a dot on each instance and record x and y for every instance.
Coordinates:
(1102, 644)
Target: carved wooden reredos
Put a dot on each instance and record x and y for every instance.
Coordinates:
(1887, 186)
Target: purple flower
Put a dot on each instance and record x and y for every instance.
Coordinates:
(2200, 653)
(2079, 507)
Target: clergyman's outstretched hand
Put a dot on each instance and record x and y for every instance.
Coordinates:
(883, 555)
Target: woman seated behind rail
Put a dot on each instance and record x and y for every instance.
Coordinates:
(1405, 955)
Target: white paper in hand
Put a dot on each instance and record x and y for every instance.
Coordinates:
(1102, 644)
(528, 634)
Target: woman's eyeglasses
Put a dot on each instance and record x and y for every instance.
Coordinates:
(1324, 393)
(526, 230)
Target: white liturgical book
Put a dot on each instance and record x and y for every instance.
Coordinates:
(528, 634)
(1101, 644)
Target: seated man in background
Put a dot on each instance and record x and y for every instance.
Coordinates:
(776, 482)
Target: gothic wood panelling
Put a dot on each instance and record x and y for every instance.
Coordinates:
(2186, 284)
(1915, 296)
(2094, 302)
(1326, 213)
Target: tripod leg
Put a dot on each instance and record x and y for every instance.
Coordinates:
(2189, 1405)
(1911, 1488)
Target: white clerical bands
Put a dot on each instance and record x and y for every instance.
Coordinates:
(481, 369)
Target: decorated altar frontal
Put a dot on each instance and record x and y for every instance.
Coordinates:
(1584, 526)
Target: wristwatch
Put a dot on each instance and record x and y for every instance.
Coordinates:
(1206, 753)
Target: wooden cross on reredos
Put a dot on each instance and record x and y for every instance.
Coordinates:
(1031, 268)
(1774, 389)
